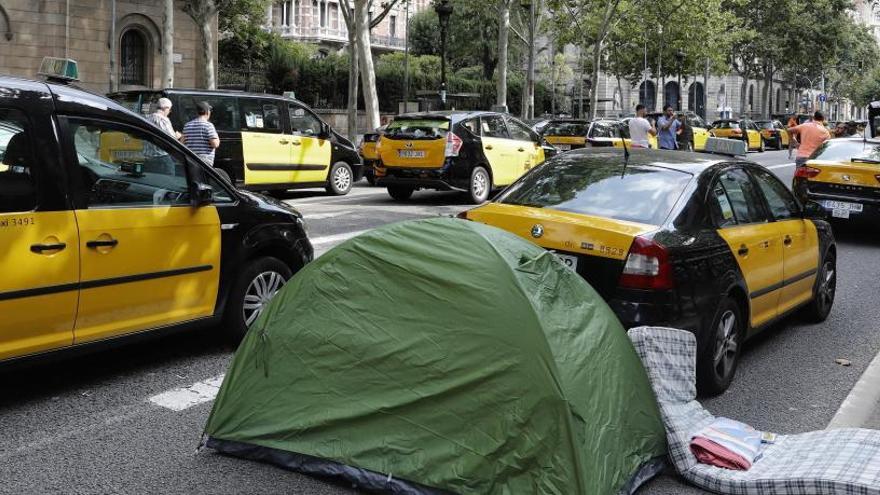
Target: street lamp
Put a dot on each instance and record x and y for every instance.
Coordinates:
(444, 10)
(679, 57)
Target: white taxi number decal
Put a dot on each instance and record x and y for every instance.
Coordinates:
(563, 147)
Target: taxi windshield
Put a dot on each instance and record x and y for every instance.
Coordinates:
(837, 150)
(643, 194)
(417, 129)
(566, 129)
(765, 124)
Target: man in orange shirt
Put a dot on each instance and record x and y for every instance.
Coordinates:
(810, 135)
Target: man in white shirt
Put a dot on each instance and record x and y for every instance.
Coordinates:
(156, 159)
(639, 128)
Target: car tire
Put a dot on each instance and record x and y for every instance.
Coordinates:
(716, 365)
(763, 147)
(778, 144)
(400, 193)
(479, 186)
(340, 179)
(256, 284)
(371, 178)
(819, 308)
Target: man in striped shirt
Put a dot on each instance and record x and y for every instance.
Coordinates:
(200, 135)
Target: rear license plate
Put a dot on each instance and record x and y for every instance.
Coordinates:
(410, 154)
(568, 260)
(838, 213)
(564, 147)
(843, 205)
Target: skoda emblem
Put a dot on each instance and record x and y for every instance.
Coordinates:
(537, 230)
(846, 178)
(409, 144)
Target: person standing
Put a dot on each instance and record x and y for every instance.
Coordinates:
(200, 135)
(640, 128)
(810, 135)
(156, 160)
(792, 142)
(667, 126)
(685, 134)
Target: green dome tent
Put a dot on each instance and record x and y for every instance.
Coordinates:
(437, 356)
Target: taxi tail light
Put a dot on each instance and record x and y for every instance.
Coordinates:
(647, 266)
(877, 177)
(806, 172)
(453, 144)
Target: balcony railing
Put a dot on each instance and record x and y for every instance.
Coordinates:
(317, 33)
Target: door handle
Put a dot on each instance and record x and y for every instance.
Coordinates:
(283, 141)
(521, 150)
(787, 240)
(743, 250)
(296, 143)
(107, 243)
(488, 146)
(39, 248)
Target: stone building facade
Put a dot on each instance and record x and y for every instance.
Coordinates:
(321, 22)
(83, 30)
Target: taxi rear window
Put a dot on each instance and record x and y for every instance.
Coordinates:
(765, 125)
(642, 194)
(843, 151)
(565, 129)
(417, 129)
(725, 125)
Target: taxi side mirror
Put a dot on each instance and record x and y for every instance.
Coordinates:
(204, 195)
(814, 210)
(324, 133)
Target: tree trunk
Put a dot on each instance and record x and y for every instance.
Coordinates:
(503, 31)
(620, 93)
(208, 48)
(368, 74)
(353, 80)
(594, 77)
(742, 95)
(768, 94)
(168, 45)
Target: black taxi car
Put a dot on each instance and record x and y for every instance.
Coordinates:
(473, 152)
(267, 142)
(99, 244)
(843, 175)
(713, 245)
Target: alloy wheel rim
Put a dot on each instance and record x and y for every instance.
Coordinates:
(827, 286)
(342, 178)
(258, 294)
(726, 344)
(479, 184)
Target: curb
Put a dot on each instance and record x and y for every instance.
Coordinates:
(862, 401)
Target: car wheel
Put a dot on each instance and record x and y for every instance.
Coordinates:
(400, 193)
(256, 285)
(340, 179)
(778, 143)
(762, 147)
(716, 365)
(823, 292)
(479, 186)
(371, 179)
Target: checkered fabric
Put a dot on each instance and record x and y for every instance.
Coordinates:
(827, 462)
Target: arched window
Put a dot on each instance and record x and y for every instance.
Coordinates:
(133, 58)
(671, 95)
(647, 92)
(697, 98)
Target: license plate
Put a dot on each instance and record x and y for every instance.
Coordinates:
(844, 206)
(838, 213)
(568, 260)
(410, 154)
(563, 147)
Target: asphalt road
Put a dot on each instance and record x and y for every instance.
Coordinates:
(87, 425)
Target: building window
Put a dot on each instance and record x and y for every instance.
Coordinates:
(393, 26)
(323, 14)
(297, 15)
(133, 58)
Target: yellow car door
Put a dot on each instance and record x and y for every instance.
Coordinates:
(800, 241)
(265, 148)
(500, 151)
(529, 151)
(148, 257)
(310, 151)
(38, 246)
(756, 244)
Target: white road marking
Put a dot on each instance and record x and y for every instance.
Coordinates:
(330, 239)
(324, 216)
(182, 398)
(781, 165)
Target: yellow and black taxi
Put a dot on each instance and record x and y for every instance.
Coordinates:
(369, 153)
(473, 152)
(701, 242)
(267, 142)
(739, 129)
(774, 133)
(99, 245)
(700, 131)
(567, 134)
(843, 175)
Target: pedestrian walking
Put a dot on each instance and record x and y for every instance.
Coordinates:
(667, 127)
(640, 128)
(811, 135)
(685, 134)
(200, 135)
(792, 142)
(156, 160)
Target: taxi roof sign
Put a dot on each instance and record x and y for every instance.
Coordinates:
(722, 146)
(59, 69)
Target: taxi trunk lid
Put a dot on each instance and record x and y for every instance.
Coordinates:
(855, 173)
(417, 142)
(597, 248)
